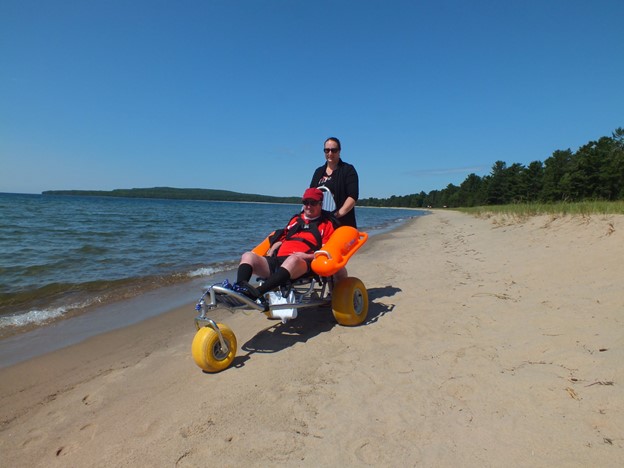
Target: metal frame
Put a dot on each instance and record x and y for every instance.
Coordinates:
(307, 292)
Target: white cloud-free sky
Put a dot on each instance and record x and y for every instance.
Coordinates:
(240, 95)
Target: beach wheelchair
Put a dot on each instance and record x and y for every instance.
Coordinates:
(214, 345)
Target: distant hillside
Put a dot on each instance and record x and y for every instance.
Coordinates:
(176, 194)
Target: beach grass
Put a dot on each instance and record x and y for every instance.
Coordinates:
(527, 210)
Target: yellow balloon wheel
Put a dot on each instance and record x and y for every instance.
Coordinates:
(207, 351)
(350, 302)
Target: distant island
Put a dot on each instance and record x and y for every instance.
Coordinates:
(176, 194)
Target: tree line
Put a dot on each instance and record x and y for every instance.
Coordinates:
(594, 172)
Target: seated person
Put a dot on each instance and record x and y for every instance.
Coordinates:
(292, 249)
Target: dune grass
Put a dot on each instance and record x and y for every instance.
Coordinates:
(525, 210)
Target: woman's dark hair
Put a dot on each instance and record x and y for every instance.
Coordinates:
(335, 140)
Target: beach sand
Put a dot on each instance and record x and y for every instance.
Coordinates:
(490, 342)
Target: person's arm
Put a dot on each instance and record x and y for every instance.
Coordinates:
(273, 248)
(278, 237)
(345, 208)
(351, 185)
(308, 257)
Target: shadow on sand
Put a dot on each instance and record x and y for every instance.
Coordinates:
(310, 323)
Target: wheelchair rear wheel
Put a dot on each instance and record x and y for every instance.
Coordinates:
(350, 302)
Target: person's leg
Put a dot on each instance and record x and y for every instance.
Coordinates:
(244, 272)
(292, 268)
(278, 278)
(296, 266)
(252, 263)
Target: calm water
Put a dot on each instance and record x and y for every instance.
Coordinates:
(61, 256)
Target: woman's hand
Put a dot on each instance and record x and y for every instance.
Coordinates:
(345, 208)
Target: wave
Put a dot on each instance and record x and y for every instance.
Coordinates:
(211, 270)
(24, 310)
(38, 317)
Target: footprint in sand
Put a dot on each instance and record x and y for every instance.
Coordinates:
(34, 435)
(196, 429)
(365, 453)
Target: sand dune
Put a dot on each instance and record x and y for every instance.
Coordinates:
(489, 343)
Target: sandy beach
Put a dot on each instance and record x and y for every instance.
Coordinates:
(490, 342)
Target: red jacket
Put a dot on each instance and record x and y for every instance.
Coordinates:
(302, 235)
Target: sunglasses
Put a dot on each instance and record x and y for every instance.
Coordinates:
(311, 202)
(331, 150)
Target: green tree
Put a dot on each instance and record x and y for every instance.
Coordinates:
(470, 191)
(533, 181)
(515, 184)
(555, 168)
(497, 186)
(617, 164)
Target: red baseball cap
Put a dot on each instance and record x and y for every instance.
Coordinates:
(313, 194)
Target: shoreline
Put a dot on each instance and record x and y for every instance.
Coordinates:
(487, 343)
(30, 344)
(31, 340)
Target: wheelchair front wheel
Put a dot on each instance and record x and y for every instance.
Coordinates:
(207, 351)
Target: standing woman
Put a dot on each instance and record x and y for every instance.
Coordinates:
(341, 179)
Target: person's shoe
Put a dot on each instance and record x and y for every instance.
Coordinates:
(247, 289)
(239, 287)
(243, 287)
(225, 284)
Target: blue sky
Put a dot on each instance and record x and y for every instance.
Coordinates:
(240, 95)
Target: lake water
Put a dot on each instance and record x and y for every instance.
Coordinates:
(63, 256)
